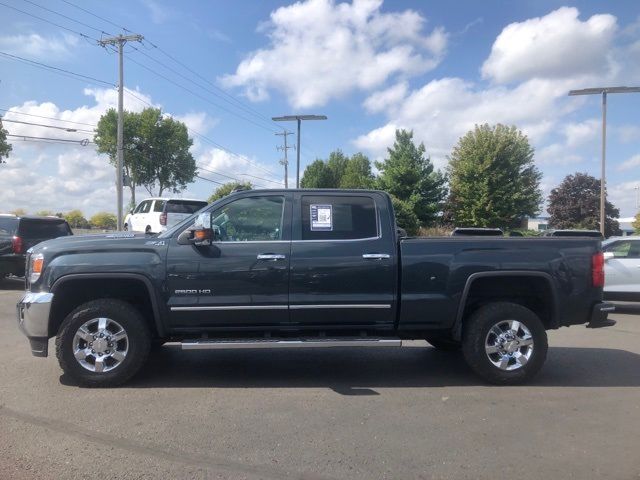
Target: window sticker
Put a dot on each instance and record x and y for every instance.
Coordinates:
(321, 218)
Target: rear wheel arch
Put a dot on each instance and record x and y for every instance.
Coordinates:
(539, 295)
(72, 290)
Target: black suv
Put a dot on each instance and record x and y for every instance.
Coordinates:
(19, 234)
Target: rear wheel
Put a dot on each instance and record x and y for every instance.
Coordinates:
(103, 343)
(505, 343)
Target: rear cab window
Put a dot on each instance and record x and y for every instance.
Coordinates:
(184, 206)
(8, 225)
(329, 217)
(32, 228)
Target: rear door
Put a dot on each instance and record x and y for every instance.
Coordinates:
(343, 261)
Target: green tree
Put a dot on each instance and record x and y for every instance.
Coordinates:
(5, 147)
(575, 203)
(104, 220)
(493, 179)
(409, 175)
(405, 216)
(636, 224)
(19, 212)
(227, 188)
(156, 149)
(338, 171)
(76, 219)
(357, 173)
(45, 213)
(317, 175)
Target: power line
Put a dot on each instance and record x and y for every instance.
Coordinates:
(83, 142)
(66, 129)
(83, 35)
(66, 17)
(96, 16)
(237, 179)
(212, 92)
(56, 69)
(48, 118)
(186, 89)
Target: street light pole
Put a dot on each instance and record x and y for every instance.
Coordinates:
(298, 118)
(603, 91)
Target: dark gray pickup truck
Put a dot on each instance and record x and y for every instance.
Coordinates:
(305, 268)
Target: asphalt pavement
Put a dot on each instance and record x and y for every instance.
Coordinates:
(346, 413)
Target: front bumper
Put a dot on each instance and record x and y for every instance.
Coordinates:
(599, 314)
(33, 319)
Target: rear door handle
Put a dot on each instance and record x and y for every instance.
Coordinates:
(375, 256)
(270, 256)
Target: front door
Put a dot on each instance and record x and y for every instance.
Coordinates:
(343, 262)
(622, 272)
(242, 279)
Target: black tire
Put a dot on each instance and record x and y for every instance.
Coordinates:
(475, 333)
(147, 231)
(444, 344)
(131, 320)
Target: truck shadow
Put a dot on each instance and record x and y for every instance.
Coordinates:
(362, 371)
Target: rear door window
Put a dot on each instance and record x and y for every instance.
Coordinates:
(326, 217)
(43, 229)
(184, 206)
(158, 206)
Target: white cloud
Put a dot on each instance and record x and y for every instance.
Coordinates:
(39, 176)
(34, 45)
(159, 13)
(577, 134)
(445, 109)
(320, 50)
(623, 196)
(385, 99)
(557, 45)
(557, 154)
(222, 166)
(630, 164)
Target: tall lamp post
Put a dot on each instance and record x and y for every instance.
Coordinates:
(603, 91)
(298, 118)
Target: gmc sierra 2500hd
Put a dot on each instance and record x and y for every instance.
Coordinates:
(305, 268)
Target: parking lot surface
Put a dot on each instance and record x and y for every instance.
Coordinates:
(412, 412)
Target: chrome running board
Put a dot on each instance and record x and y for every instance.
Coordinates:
(202, 344)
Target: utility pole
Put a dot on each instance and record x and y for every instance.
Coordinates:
(603, 91)
(285, 161)
(298, 118)
(120, 40)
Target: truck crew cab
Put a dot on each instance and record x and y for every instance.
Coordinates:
(305, 268)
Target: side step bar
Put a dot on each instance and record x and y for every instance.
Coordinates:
(290, 343)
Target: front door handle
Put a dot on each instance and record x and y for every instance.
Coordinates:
(375, 256)
(271, 256)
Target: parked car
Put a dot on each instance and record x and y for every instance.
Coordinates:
(19, 234)
(573, 233)
(306, 268)
(155, 215)
(477, 232)
(622, 268)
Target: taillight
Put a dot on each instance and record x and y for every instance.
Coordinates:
(597, 269)
(16, 244)
(163, 219)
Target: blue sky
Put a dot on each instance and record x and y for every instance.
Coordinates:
(434, 67)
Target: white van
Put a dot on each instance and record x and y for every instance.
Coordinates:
(154, 215)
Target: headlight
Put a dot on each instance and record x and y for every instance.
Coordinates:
(36, 263)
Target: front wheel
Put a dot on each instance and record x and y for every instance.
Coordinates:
(505, 343)
(103, 343)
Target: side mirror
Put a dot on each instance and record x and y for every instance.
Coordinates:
(608, 256)
(203, 232)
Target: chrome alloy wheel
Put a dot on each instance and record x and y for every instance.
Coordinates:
(509, 345)
(100, 345)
